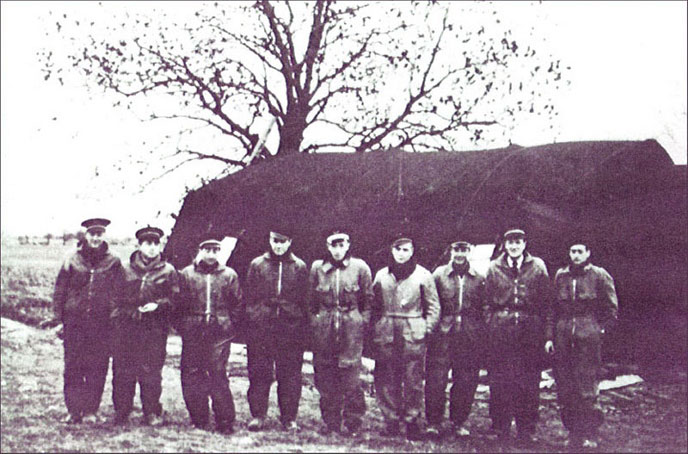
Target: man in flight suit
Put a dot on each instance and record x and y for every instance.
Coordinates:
(208, 318)
(456, 344)
(340, 296)
(406, 309)
(585, 305)
(518, 292)
(141, 317)
(83, 301)
(276, 313)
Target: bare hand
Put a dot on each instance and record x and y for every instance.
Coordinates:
(549, 347)
(148, 307)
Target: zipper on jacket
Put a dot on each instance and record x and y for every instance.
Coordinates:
(573, 319)
(207, 298)
(90, 290)
(279, 280)
(458, 316)
(279, 287)
(337, 312)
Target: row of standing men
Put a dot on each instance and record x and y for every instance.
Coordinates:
(422, 325)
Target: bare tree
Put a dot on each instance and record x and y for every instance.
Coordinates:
(355, 76)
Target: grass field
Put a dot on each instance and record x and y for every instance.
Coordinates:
(646, 417)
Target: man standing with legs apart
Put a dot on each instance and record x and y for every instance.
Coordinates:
(275, 295)
(208, 318)
(406, 309)
(518, 293)
(456, 344)
(141, 318)
(83, 299)
(585, 307)
(340, 294)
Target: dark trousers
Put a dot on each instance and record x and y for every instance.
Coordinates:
(87, 359)
(139, 357)
(204, 375)
(341, 394)
(459, 356)
(576, 368)
(268, 357)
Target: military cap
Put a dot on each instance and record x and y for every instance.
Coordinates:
(514, 233)
(149, 232)
(95, 224)
(401, 237)
(210, 243)
(461, 244)
(281, 231)
(337, 235)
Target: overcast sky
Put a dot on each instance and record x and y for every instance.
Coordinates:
(628, 82)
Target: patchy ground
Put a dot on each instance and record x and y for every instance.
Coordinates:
(646, 417)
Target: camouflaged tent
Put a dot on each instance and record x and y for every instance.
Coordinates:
(628, 197)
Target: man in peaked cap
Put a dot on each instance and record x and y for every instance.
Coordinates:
(456, 343)
(276, 316)
(208, 320)
(83, 300)
(340, 297)
(144, 302)
(405, 310)
(585, 306)
(517, 298)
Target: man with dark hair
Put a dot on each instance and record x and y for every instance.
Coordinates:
(207, 319)
(518, 292)
(584, 308)
(83, 301)
(141, 318)
(456, 343)
(406, 309)
(276, 315)
(340, 295)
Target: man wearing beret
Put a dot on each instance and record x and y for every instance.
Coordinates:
(405, 310)
(141, 316)
(83, 301)
(276, 312)
(207, 319)
(518, 293)
(456, 343)
(585, 305)
(340, 297)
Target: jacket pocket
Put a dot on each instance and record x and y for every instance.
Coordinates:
(350, 295)
(383, 331)
(415, 330)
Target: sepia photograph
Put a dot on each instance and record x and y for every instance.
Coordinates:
(344, 226)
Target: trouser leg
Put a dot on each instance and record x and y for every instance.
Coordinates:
(194, 376)
(124, 372)
(354, 399)
(150, 376)
(327, 383)
(527, 397)
(436, 374)
(74, 365)
(465, 374)
(577, 382)
(97, 359)
(260, 376)
(414, 362)
(501, 392)
(388, 374)
(223, 401)
(288, 364)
